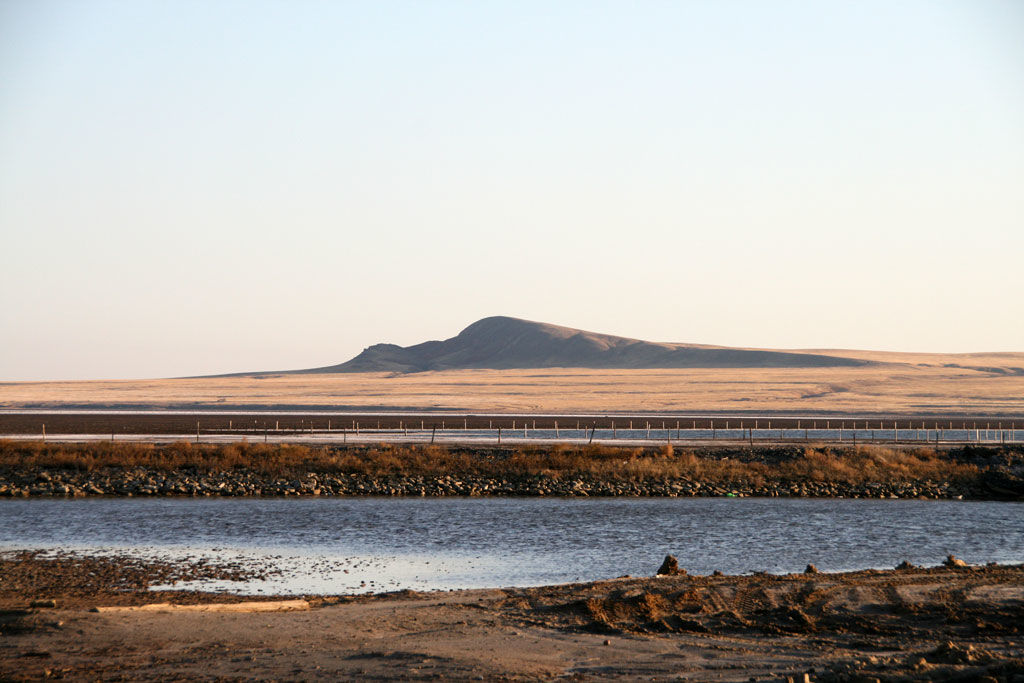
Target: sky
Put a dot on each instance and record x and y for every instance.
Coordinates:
(191, 187)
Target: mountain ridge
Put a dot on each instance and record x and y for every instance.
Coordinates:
(504, 343)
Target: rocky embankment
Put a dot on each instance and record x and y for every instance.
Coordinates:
(33, 469)
(138, 481)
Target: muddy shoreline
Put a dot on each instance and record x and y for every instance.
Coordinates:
(915, 624)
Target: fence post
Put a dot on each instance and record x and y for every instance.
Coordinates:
(197, 432)
(499, 434)
(433, 433)
(44, 432)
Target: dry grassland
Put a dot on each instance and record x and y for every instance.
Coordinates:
(904, 383)
(850, 465)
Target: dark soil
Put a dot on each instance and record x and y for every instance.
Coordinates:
(73, 579)
(923, 624)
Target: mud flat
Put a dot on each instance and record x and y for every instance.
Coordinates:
(942, 623)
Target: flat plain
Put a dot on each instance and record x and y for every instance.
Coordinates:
(896, 383)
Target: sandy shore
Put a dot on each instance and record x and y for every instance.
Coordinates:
(944, 623)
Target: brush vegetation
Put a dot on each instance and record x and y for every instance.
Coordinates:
(723, 466)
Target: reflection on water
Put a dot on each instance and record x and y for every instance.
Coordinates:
(340, 545)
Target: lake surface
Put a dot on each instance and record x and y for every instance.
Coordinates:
(343, 545)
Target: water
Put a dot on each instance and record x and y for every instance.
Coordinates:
(344, 545)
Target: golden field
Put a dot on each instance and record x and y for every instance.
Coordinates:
(899, 383)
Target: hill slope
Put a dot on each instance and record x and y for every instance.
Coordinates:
(506, 343)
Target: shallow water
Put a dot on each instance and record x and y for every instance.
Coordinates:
(342, 545)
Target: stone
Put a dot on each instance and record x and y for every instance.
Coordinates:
(50, 602)
(905, 566)
(811, 569)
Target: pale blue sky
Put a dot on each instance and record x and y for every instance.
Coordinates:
(199, 187)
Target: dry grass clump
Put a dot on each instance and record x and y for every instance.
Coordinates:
(815, 464)
(181, 455)
(873, 463)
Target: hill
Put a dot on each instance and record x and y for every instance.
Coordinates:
(503, 343)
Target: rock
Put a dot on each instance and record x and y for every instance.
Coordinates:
(811, 569)
(954, 561)
(50, 602)
(905, 566)
(670, 567)
(952, 653)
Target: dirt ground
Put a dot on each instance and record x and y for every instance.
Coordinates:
(945, 623)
